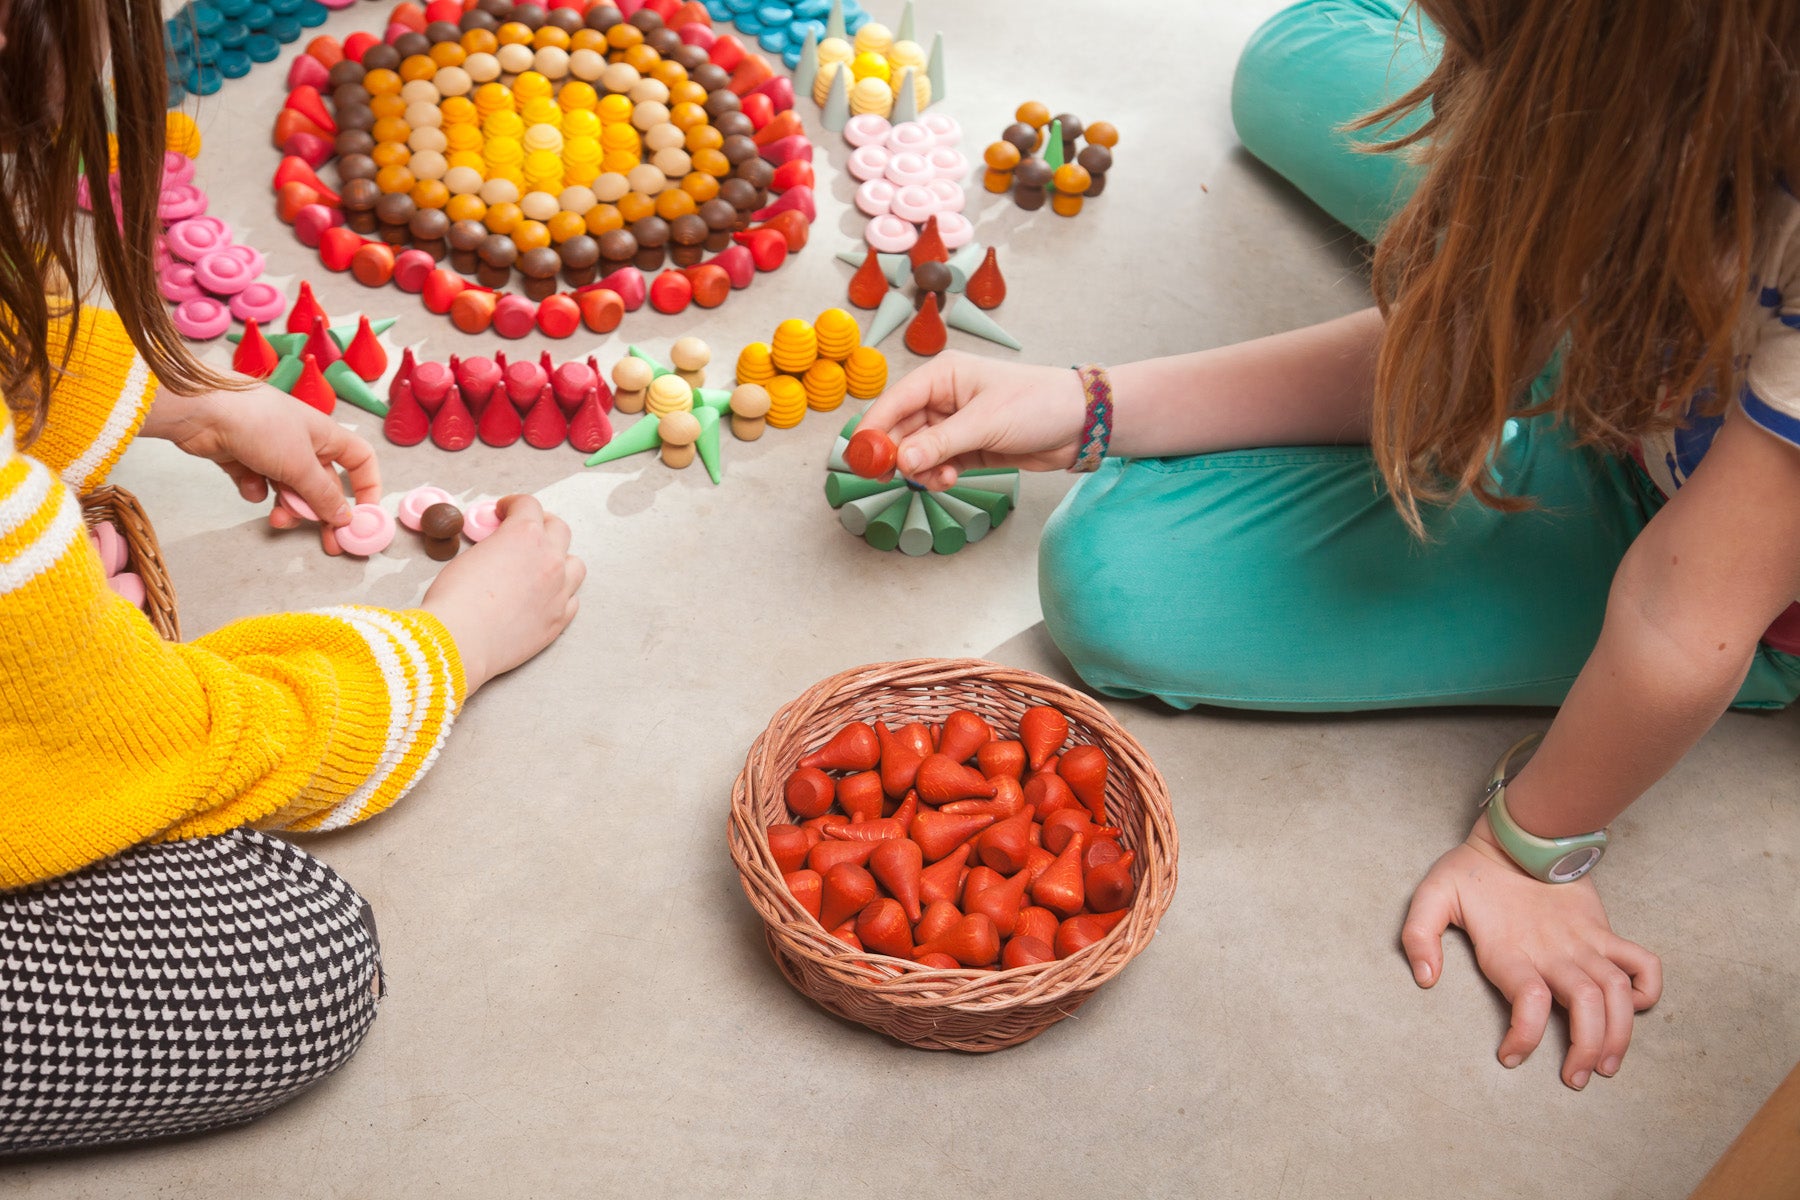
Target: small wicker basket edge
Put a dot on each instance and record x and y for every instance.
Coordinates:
(143, 553)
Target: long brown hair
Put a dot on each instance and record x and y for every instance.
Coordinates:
(1595, 176)
(53, 126)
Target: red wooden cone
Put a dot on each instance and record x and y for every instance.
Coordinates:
(939, 918)
(941, 780)
(943, 879)
(292, 169)
(794, 173)
(254, 356)
(627, 283)
(897, 865)
(768, 247)
(545, 426)
(1025, 952)
(1083, 768)
(848, 888)
(926, 335)
(477, 377)
(602, 309)
(853, 748)
(972, 941)
(809, 792)
(590, 428)
(1042, 730)
(783, 124)
(500, 423)
(882, 927)
(870, 283)
(309, 148)
(403, 374)
(1109, 886)
(320, 346)
(1006, 845)
(290, 198)
(338, 246)
(738, 264)
(752, 71)
(670, 292)
(365, 353)
(807, 888)
(1037, 922)
(1049, 794)
(964, 733)
(833, 851)
(709, 283)
(1001, 901)
(1059, 827)
(986, 287)
(1059, 888)
(939, 833)
(406, 424)
(1078, 933)
(998, 758)
(306, 308)
(871, 454)
(788, 844)
(930, 246)
(306, 101)
(431, 383)
(453, 428)
(793, 224)
(313, 388)
(881, 829)
(860, 795)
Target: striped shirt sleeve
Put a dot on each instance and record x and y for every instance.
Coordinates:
(98, 402)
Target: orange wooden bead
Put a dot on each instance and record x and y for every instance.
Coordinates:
(503, 218)
(624, 35)
(419, 66)
(448, 54)
(687, 92)
(480, 41)
(1001, 156)
(390, 129)
(530, 235)
(604, 218)
(430, 193)
(587, 39)
(641, 57)
(515, 33)
(465, 208)
(550, 36)
(382, 82)
(394, 179)
(673, 203)
(704, 137)
(635, 206)
(1102, 133)
(685, 116)
(1033, 113)
(668, 73)
(701, 187)
(387, 105)
(391, 154)
(712, 162)
(565, 225)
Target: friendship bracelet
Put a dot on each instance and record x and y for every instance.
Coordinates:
(1096, 430)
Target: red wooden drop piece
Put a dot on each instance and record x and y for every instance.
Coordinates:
(319, 345)
(300, 319)
(628, 284)
(359, 44)
(871, 453)
(794, 173)
(780, 125)
(431, 383)
(926, 335)
(312, 222)
(795, 199)
(671, 292)
(752, 71)
(338, 246)
(571, 382)
(295, 170)
(327, 50)
(313, 388)
(291, 197)
(869, 286)
(590, 428)
(987, 287)
(738, 264)
(728, 51)
(709, 283)
(306, 100)
(365, 353)
(411, 269)
(373, 264)
(791, 224)
(545, 426)
(930, 246)
(477, 377)
(406, 424)
(447, 11)
(443, 286)
(454, 426)
(500, 424)
(307, 69)
(290, 121)
(523, 381)
(606, 395)
(761, 110)
(788, 149)
(601, 309)
(309, 148)
(514, 316)
(558, 316)
(780, 93)
(402, 374)
(254, 356)
(473, 311)
(409, 15)
(767, 246)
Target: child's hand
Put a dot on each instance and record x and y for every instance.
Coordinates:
(959, 411)
(261, 436)
(1535, 942)
(510, 596)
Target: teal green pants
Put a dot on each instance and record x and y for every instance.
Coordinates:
(1283, 579)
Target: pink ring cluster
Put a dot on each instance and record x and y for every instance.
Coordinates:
(909, 173)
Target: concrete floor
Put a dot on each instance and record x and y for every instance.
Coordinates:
(581, 1003)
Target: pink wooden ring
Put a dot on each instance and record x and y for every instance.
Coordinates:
(195, 238)
(955, 230)
(177, 168)
(223, 274)
(201, 319)
(291, 501)
(110, 545)
(944, 129)
(370, 531)
(948, 163)
(890, 235)
(250, 256)
(159, 253)
(867, 162)
(415, 502)
(481, 520)
(913, 203)
(910, 137)
(180, 202)
(868, 129)
(875, 198)
(949, 195)
(903, 169)
(178, 282)
(260, 302)
(129, 585)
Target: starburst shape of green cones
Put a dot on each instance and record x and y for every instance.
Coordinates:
(894, 514)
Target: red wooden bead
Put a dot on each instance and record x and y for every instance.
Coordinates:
(710, 284)
(290, 198)
(558, 316)
(365, 353)
(327, 50)
(290, 121)
(300, 317)
(782, 125)
(337, 246)
(254, 357)
(307, 69)
(986, 287)
(453, 427)
(795, 199)
(545, 425)
(319, 346)
(311, 222)
(671, 292)
(306, 99)
(441, 287)
(601, 309)
(514, 316)
(358, 44)
(309, 148)
(409, 15)
(793, 225)
(738, 264)
(411, 269)
(767, 246)
(292, 169)
(779, 90)
(926, 335)
(373, 264)
(406, 423)
(787, 149)
(761, 111)
(473, 311)
(930, 246)
(797, 172)
(313, 388)
(628, 284)
(752, 71)
(448, 11)
(728, 51)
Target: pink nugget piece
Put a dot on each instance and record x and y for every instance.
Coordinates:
(110, 545)
(178, 168)
(415, 502)
(201, 319)
(910, 137)
(178, 282)
(902, 169)
(948, 195)
(250, 256)
(481, 520)
(196, 237)
(892, 235)
(129, 586)
(948, 163)
(223, 274)
(868, 162)
(869, 129)
(955, 230)
(291, 501)
(180, 202)
(260, 302)
(370, 531)
(916, 204)
(875, 198)
(944, 129)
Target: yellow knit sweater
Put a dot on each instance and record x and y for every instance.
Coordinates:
(111, 737)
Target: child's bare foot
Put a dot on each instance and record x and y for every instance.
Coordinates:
(510, 596)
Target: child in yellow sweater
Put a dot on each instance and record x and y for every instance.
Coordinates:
(169, 967)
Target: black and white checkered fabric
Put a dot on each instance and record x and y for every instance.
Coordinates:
(177, 988)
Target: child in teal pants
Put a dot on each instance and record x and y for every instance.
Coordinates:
(1236, 544)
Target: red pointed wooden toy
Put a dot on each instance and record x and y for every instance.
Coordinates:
(942, 881)
(313, 388)
(926, 335)
(305, 310)
(320, 346)
(853, 748)
(1042, 730)
(972, 941)
(848, 888)
(406, 424)
(254, 356)
(882, 927)
(870, 284)
(402, 374)
(897, 865)
(767, 246)
(500, 423)
(930, 246)
(365, 353)
(590, 428)
(453, 428)
(986, 287)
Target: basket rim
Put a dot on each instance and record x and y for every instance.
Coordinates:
(969, 989)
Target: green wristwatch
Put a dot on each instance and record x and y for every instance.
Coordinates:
(1553, 860)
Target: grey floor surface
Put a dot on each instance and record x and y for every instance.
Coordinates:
(581, 1002)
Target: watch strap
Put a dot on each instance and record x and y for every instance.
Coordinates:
(1552, 860)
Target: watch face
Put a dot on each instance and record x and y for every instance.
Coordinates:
(1574, 864)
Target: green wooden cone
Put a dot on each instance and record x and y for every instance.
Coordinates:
(836, 113)
(850, 425)
(1053, 143)
(658, 370)
(717, 399)
(808, 70)
(842, 487)
(962, 264)
(835, 461)
(708, 445)
(906, 98)
(287, 372)
(1005, 481)
(915, 533)
(350, 387)
(934, 70)
(905, 32)
(995, 505)
(637, 438)
(883, 532)
(965, 315)
(975, 523)
(896, 310)
(897, 267)
(284, 343)
(834, 21)
(857, 514)
(947, 537)
(343, 335)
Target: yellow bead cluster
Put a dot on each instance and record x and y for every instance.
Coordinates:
(812, 366)
(876, 63)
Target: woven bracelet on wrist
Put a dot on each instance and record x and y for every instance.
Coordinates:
(1096, 430)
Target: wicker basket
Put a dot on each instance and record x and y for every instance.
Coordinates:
(143, 555)
(945, 1009)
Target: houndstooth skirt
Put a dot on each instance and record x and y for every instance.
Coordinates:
(177, 988)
